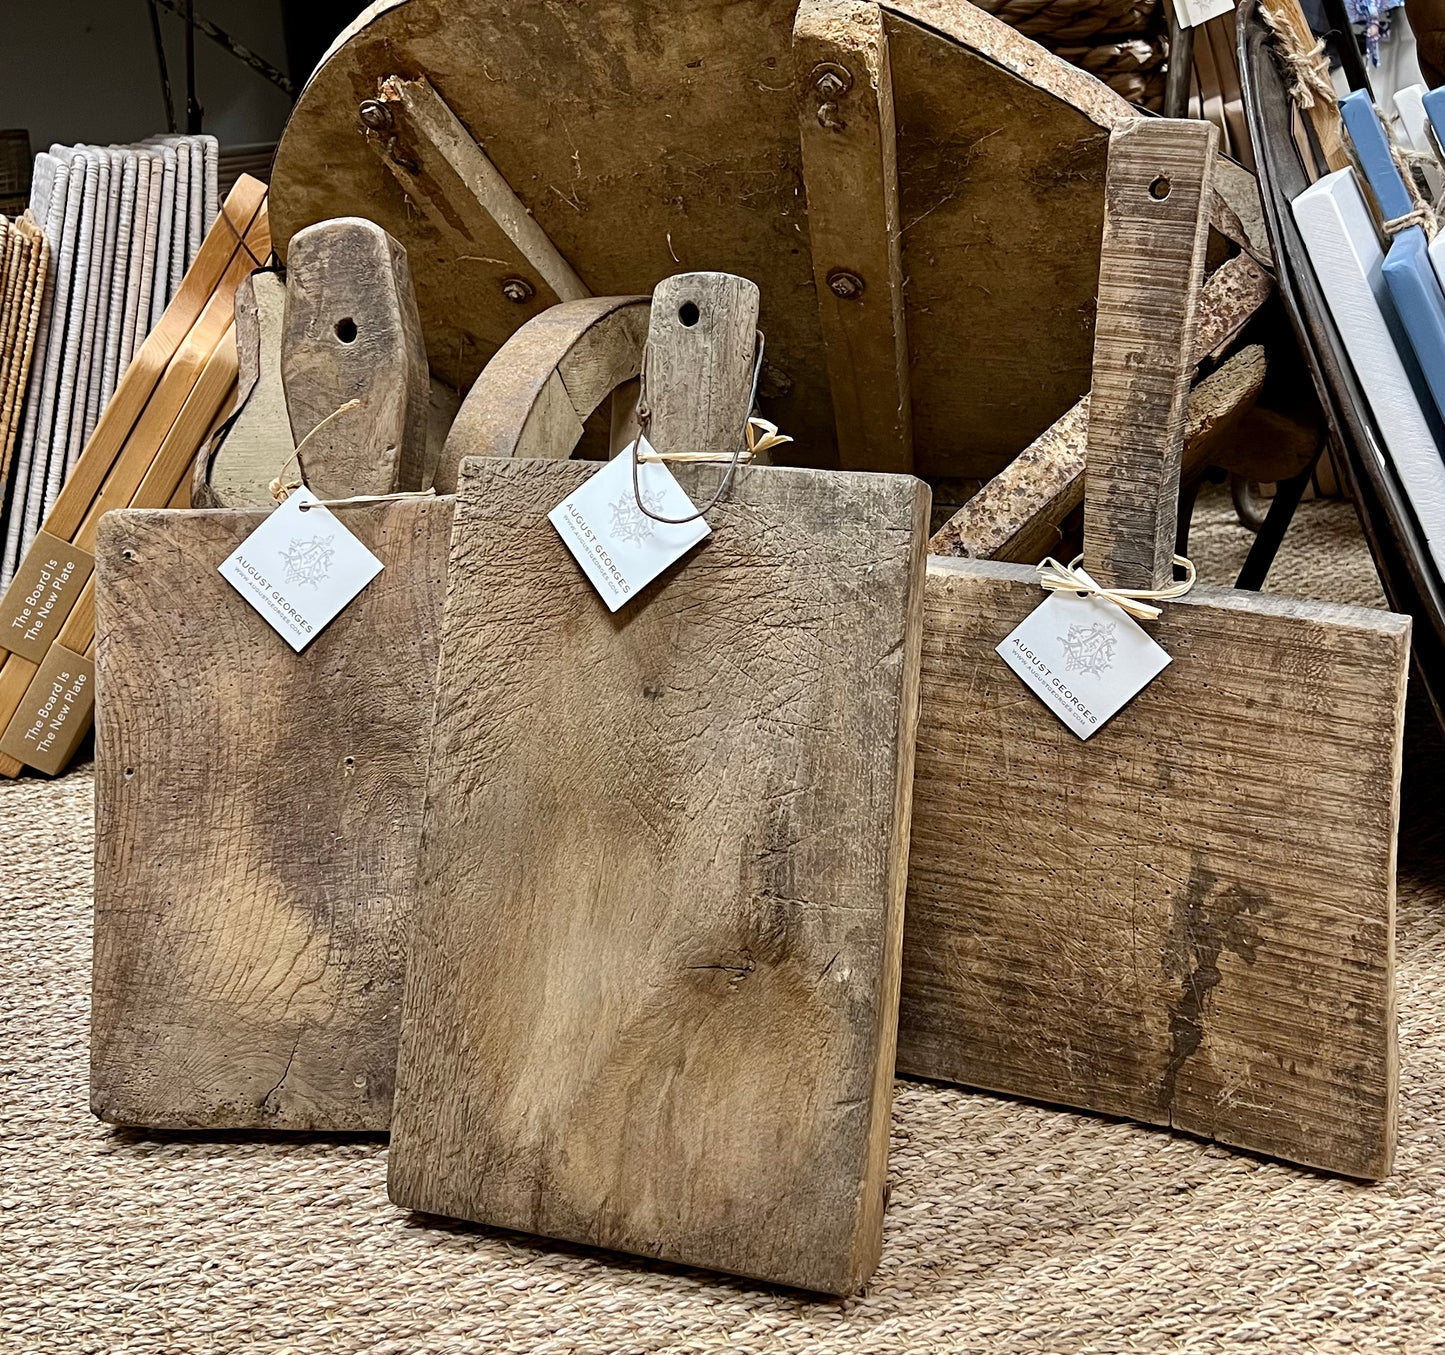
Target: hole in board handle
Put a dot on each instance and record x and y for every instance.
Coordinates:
(1159, 189)
(689, 314)
(346, 330)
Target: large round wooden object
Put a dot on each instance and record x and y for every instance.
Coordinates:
(653, 137)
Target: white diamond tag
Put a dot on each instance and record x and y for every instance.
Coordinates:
(619, 547)
(1084, 658)
(300, 569)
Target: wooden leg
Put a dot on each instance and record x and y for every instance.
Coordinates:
(845, 119)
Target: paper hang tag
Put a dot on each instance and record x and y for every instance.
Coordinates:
(619, 547)
(1192, 13)
(1084, 658)
(298, 570)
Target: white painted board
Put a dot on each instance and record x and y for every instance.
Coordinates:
(1414, 125)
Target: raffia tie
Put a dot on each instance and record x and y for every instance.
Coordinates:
(761, 434)
(1308, 67)
(1060, 578)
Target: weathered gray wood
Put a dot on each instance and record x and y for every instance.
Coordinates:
(1155, 227)
(651, 995)
(352, 332)
(701, 351)
(258, 815)
(1187, 920)
(850, 167)
(534, 396)
(237, 471)
(1019, 514)
(651, 141)
(1023, 505)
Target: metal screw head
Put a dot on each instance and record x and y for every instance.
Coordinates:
(848, 286)
(518, 290)
(376, 115)
(830, 79)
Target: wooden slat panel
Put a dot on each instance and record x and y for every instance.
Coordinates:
(652, 990)
(1187, 920)
(257, 821)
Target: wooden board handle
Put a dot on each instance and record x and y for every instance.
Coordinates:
(701, 346)
(1156, 221)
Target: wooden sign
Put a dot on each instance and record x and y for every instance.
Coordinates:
(257, 821)
(1188, 919)
(651, 995)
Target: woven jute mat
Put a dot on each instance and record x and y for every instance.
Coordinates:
(1012, 1226)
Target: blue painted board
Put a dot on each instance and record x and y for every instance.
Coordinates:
(1367, 134)
(1415, 290)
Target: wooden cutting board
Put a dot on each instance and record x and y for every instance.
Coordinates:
(1187, 919)
(258, 814)
(653, 977)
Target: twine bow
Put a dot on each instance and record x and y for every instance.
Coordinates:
(761, 434)
(1060, 578)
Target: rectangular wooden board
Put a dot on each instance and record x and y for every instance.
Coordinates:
(1187, 920)
(652, 998)
(258, 814)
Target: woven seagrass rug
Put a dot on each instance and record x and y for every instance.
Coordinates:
(1011, 1227)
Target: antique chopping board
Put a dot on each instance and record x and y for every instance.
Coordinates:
(651, 1002)
(1187, 919)
(655, 137)
(258, 814)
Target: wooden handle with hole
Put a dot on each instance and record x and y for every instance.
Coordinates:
(1156, 220)
(701, 348)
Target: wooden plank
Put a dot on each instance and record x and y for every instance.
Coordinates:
(351, 332)
(674, 1034)
(450, 178)
(1018, 514)
(1033, 494)
(591, 347)
(21, 739)
(1187, 920)
(698, 369)
(1292, 31)
(1155, 227)
(249, 960)
(254, 449)
(850, 167)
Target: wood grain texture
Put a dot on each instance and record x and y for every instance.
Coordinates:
(1287, 17)
(351, 332)
(651, 994)
(697, 377)
(1152, 263)
(1018, 515)
(258, 814)
(253, 450)
(450, 178)
(659, 137)
(1187, 920)
(850, 168)
(590, 347)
